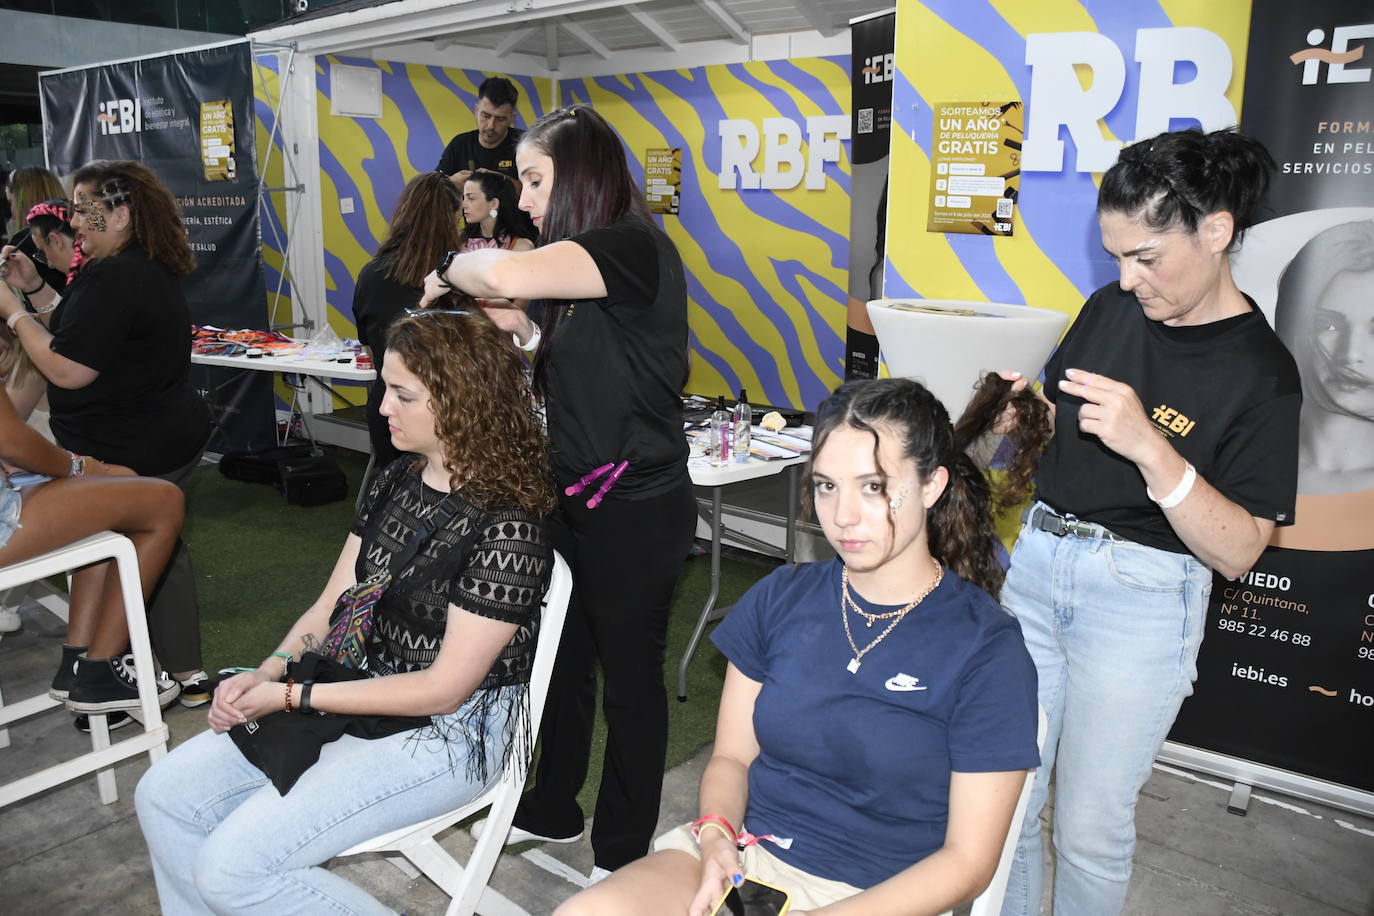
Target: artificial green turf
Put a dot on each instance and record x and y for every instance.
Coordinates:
(260, 562)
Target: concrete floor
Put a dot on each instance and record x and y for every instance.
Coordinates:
(64, 852)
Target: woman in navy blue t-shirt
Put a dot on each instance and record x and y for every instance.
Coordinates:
(879, 711)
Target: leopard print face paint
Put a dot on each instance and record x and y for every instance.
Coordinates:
(92, 213)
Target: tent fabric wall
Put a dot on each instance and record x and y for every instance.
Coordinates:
(766, 269)
(952, 50)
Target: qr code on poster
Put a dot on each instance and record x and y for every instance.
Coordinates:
(1004, 208)
(865, 120)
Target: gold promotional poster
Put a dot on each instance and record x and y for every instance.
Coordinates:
(663, 179)
(976, 167)
(217, 140)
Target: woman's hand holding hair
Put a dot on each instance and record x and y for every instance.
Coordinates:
(436, 287)
(1005, 424)
(720, 867)
(224, 714)
(510, 319)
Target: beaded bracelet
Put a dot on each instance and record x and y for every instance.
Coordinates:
(290, 682)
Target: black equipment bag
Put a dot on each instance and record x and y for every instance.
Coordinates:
(311, 480)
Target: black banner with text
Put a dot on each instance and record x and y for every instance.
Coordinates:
(188, 116)
(873, 42)
(1286, 672)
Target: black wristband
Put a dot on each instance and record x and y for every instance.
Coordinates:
(41, 283)
(443, 267)
(304, 705)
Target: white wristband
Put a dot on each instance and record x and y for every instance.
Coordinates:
(532, 344)
(17, 317)
(1185, 486)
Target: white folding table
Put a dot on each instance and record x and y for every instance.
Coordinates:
(718, 478)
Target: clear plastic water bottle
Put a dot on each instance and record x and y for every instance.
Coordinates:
(719, 427)
(741, 426)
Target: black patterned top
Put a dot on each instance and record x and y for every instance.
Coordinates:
(493, 563)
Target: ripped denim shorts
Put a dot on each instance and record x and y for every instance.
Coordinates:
(12, 502)
(10, 505)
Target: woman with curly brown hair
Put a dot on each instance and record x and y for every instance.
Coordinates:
(423, 227)
(118, 359)
(453, 640)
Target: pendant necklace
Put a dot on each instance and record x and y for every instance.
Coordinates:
(847, 602)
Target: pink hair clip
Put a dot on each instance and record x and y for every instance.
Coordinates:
(587, 480)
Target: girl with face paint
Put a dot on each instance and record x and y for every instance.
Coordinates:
(878, 715)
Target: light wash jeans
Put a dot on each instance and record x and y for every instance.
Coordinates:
(1114, 630)
(223, 841)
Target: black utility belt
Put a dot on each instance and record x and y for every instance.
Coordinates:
(1043, 518)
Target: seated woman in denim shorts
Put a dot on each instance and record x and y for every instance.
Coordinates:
(878, 716)
(51, 497)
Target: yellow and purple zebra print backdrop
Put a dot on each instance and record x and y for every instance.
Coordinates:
(370, 160)
(975, 50)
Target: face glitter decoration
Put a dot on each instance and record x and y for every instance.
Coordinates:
(896, 502)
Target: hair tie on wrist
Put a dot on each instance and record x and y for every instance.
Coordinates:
(715, 821)
(41, 283)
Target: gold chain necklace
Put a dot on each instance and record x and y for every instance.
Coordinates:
(846, 601)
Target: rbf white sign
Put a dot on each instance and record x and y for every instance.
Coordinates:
(786, 163)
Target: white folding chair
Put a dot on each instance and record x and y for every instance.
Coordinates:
(989, 902)
(467, 885)
(153, 739)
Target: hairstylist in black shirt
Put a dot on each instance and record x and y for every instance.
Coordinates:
(610, 365)
(118, 363)
(1174, 454)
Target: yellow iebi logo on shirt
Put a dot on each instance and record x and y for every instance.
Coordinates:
(1171, 422)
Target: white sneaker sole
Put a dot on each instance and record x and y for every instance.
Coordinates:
(517, 835)
(164, 699)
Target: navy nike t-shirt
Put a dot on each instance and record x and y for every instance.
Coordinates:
(855, 768)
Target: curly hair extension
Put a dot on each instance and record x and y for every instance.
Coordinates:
(484, 411)
(155, 217)
(959, 527)
(1029, 431)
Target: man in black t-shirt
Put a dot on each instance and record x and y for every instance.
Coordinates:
(492, 145)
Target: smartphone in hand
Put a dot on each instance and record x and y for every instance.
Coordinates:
(753, 898)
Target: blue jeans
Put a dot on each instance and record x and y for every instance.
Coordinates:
(1114, 629)
(222, 840)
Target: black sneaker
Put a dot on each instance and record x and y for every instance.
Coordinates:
(66, 672)
(195, 690)
(116, 719)
(106, 684)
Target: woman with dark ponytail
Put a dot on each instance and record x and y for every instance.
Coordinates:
(1175, 409)
(878, 715)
